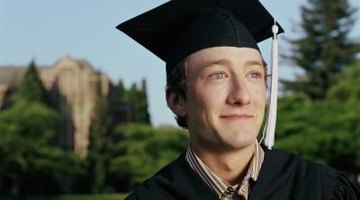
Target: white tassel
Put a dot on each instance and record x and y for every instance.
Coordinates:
(272, 105)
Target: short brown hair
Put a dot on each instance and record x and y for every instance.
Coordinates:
(175, 82)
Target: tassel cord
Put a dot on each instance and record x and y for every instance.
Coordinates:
(270, 125)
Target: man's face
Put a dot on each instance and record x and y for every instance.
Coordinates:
(225, 97)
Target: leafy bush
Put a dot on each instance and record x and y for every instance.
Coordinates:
(144, 150)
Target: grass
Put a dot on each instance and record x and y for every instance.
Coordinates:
(72, 197)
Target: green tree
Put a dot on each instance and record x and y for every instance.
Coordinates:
(347, 90)
(31, 88)
(137, 97)
(346, 93)
(141, 107)
(325, 47)
(29, 157)
(143, 150)
(121, 89)
(325, 131)
(329, 134)
(292, 114)
(99, 143)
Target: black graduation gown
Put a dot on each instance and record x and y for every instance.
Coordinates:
(282, 176)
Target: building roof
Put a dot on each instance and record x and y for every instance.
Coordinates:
(11, 75)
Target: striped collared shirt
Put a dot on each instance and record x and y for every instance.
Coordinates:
(223, 189)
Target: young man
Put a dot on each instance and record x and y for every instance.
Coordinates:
(216, 86)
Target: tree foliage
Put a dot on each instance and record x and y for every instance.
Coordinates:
(143, 150)
(347, 90)
(31, 88)
(326, 131)
(99, 143)
(29, 158)
(290, 122)
(31, 161)
(325, 47)
(137, 97)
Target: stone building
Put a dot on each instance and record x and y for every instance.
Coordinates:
(71, 84)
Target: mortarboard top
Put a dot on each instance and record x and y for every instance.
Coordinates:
(178, 28)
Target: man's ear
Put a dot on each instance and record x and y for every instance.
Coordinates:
(175, 102)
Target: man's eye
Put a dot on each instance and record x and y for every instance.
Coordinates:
(255, 75)
(218, 75)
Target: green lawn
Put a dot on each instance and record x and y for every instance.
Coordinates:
(74, 197)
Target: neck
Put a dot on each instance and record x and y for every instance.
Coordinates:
(231, 166)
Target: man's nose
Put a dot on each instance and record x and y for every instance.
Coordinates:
(239, 92)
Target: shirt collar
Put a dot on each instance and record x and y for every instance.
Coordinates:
(216, 183)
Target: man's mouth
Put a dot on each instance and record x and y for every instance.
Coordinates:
(237, 116)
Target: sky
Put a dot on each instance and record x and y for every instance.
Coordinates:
(46, 31)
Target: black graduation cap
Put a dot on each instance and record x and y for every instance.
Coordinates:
(179, 28)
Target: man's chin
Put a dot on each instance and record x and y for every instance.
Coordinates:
(238, 145)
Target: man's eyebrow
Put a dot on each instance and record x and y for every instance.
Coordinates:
(228, 62)
(255, 62)
(217, 62)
